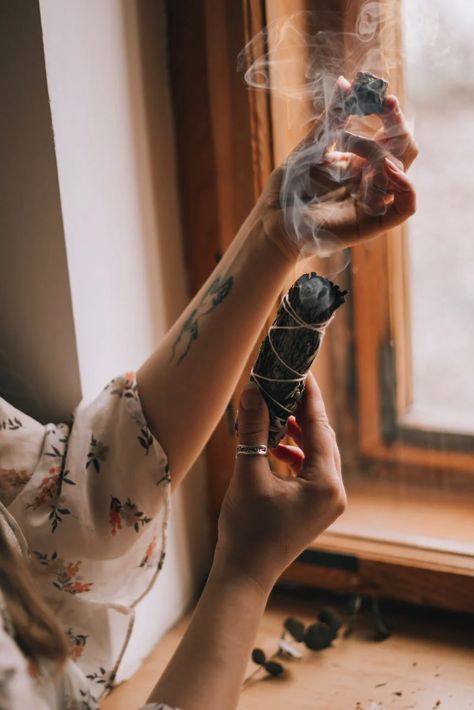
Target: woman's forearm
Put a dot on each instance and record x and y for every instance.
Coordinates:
(208, 667)
(187, 383)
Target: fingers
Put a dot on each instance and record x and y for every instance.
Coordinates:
(395, 138)
(365, 148)
(291, 455)
(294, 430)
(253, 418)
(385, 191)
(374, 184)
(253, 422)
(333, 119)
(336, 113)
(404, 197)
(396, 135)
(401, 208)
(318, 437)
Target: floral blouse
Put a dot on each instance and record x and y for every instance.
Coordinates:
(88, 504)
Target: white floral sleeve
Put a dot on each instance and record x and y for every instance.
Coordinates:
(17, 689)
(90, 503)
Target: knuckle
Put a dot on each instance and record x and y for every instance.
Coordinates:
(397, 161)
(341, 502)
(318, 420)
(414, 149)
(335, 496)
(250, 430)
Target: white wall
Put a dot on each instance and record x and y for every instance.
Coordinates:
(111, 113)
(38, 362)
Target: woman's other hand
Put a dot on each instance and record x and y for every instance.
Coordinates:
(267, 520)
(337, 189)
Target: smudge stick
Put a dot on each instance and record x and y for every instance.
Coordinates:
(291, 346)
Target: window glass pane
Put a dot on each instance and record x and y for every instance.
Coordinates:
(439, 76)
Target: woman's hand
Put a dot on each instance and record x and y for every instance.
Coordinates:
(267, 520)
(337, 189)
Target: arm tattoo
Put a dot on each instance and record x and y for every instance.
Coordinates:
(215, 294)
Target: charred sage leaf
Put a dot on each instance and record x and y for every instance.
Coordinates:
(367, 95)
(318, 636)
(259, 657)
(274, 668)
(295, 628)
(331, 618)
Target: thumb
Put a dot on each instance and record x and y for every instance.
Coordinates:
(253, 421)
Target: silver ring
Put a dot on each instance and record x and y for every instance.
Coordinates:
(259, 450)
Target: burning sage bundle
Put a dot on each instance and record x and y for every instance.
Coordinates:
(291, 345)
(367, 95)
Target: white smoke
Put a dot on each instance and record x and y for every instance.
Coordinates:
(328, 55)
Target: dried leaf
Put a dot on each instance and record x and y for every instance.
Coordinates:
(318, 636)
(274, 668)
(331, 618)
(259, 657)
(295, 628)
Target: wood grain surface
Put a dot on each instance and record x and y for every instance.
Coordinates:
(426, 663)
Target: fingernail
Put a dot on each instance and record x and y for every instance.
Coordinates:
(345, 139)
(251, 398)
(392, 166)
(342, 81)
(392, 104)
(396, 175)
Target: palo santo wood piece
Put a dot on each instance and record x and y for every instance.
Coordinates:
(367, 95)
(291, 345)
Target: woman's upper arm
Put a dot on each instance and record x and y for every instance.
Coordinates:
(94, 510)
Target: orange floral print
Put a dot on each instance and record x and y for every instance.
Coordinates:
(129, 378)
(47, 488)
(148, 553)
(124, 387)
(77, 644)
(126, 512)
(66, 574)
(11, 478)
(33, 670)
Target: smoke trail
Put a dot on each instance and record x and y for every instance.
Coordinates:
(315, 172)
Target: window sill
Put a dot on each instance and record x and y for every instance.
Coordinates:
(413, 544)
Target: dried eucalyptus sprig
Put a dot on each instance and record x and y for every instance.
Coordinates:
(272, 667)
(318, 635)
(315, 636)
(354, 608)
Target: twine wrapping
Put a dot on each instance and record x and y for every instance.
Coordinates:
(291, 346)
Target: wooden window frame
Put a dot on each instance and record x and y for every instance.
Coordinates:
(383, 354)
(228, 140)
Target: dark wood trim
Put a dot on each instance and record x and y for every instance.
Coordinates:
(410, 583)
(225, 147)
(224, 153)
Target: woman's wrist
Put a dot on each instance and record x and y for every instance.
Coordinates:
(228, 572)
(268, 235)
